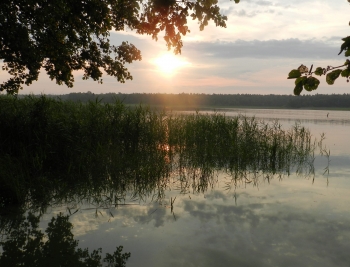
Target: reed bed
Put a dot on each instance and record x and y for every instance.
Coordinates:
(241, 147)
(55, 150)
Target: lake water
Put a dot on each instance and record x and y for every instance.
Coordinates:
(295, 220)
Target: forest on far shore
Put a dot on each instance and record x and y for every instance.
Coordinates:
(185, 100)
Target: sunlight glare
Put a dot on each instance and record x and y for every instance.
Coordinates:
(169, 63)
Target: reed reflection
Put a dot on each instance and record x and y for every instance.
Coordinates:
(60, 153)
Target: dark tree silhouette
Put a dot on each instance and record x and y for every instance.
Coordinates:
(61, 36)
(26, 246)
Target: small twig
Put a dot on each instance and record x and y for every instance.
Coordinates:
(325, 70)
(311, 69)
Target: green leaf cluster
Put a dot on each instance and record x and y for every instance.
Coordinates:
(308, 83)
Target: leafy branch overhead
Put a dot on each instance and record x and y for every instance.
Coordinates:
(61, 36)
(304, 76)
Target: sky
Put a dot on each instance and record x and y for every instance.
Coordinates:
(263, 41)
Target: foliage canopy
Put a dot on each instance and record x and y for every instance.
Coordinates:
(62, 36)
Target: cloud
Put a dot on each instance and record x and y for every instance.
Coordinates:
(254, 2)
(268, 3)
(264, 3)
(243, 13)
(286, 48)
(266, 234)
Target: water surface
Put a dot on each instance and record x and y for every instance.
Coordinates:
(275, 220)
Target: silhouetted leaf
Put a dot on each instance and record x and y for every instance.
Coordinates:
(345, 73)
(345, 45)
(303, 69)
(319, 71)
(332, 76)
(294, 74)
(300, 80)
(298, 88)
(311, 83)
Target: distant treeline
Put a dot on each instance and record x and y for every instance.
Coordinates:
(218, 100)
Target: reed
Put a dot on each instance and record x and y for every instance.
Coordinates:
(57, 150)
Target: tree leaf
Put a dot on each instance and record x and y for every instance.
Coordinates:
(345, 73)
(300, 80)
(303, 69)
(294, 74)
(311, 83)
(332, 76)
(345, 45)
(319, 71)
(298, 88)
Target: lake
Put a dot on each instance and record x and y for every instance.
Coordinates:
(300, 219)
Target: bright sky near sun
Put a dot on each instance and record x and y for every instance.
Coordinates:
(168, 63)
(263, 41)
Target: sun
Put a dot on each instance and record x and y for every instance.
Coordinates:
(169, 63)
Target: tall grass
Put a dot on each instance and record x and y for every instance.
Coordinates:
(52, 149)
(239, 146)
